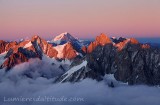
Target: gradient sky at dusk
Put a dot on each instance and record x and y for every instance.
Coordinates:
(81, 18)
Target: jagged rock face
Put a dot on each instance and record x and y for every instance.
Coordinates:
(44, 46)
(14, 59)
(123, 43)
(133, 64)
(20, 52)
(102, 61)
(103, 40)
(91, 47)
(138, 65)
(68, 38)
(84, 49)
(79, 72)
(69, 52)
(6, 46)
(51, 52)
(34, 48)
(10, 45)
(127, 59)
(18, 45)
(115, 40)
(2, 46)
(20, 56)
(129, 65)
(134, 41)
(98, 64)
(100, 40)
(145, 46)
(66, 51)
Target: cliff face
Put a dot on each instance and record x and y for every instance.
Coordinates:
(100, 40)
(13, 60)
(2, 46)
(69, 52)
(134, 63)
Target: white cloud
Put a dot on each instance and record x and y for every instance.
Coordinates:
(92, 92)
(13, 84)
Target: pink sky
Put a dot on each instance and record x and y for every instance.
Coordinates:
(81, 18)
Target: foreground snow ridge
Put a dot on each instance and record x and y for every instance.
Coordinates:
(74, 69)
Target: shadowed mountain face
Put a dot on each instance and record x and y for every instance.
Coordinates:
(125, 58)
(128, 60)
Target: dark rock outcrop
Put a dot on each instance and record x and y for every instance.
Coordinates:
(133, 64)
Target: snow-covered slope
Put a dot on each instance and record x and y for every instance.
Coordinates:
(73, 70)
(66, 51)
(66, 37)
(60, 48)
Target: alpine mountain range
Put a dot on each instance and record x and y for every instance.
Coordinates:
(125, 59)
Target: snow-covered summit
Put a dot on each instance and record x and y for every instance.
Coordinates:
(63, 38)
(68, 38)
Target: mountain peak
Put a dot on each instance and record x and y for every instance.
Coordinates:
(66, 37)
(63, 36)
(102, 39)
(35, 37)
(120, 45)
(134, 41)
(65, 33)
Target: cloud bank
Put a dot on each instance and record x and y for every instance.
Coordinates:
(43, 91)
